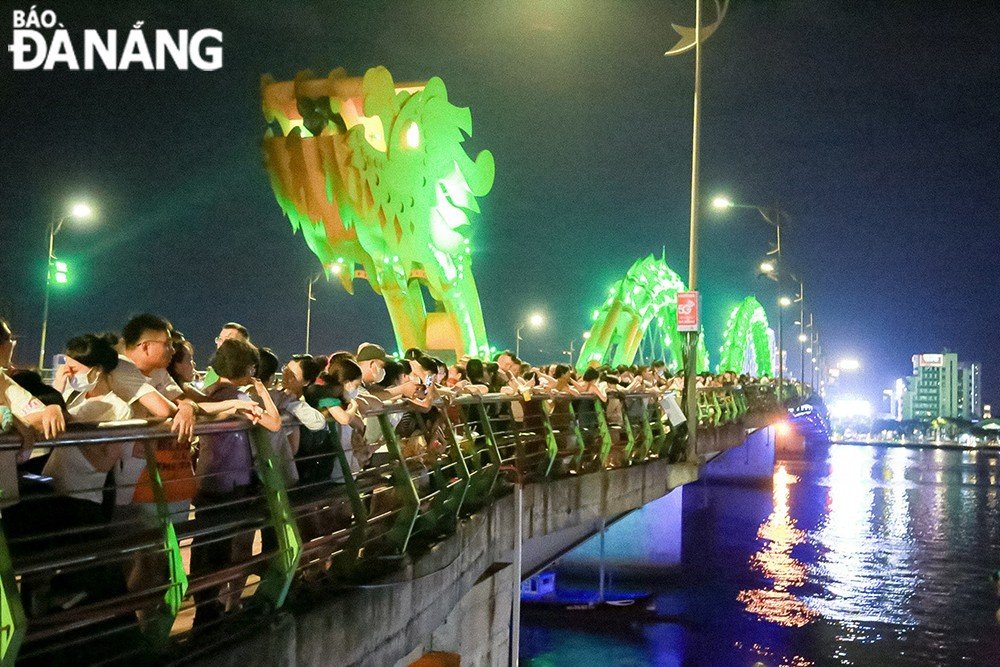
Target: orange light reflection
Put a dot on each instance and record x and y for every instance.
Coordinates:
(774, 560)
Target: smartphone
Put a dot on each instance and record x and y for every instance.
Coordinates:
(60, 360)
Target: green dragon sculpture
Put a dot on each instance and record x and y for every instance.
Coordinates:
(374, 174)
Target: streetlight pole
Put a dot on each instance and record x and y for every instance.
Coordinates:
(54, 228)
(79, 211)
(692, 39)
(800, 299)
(309, 307)
(783, 302)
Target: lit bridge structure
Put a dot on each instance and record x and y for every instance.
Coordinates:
(412, 553)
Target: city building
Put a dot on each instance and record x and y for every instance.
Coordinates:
(970, 391)
(932, 391)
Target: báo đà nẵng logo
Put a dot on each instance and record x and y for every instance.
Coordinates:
(41, 41)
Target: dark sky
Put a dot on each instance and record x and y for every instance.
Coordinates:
(874, 124)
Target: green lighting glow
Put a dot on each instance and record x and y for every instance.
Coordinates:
(374, 173)
(747, 326)
(647, 294)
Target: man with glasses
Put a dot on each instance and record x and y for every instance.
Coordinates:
(141, 378)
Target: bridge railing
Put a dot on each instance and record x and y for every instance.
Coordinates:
(158, 574)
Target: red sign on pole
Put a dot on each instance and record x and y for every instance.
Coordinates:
(688, 315)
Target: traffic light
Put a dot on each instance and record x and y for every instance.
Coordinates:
(61, 273)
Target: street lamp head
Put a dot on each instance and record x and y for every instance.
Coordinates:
(767, 267)
(803, 338)
(536, 320)
(722, 203)
(81, 211)
(586, 335)
(784, 302)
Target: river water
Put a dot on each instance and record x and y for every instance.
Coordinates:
(861, 555)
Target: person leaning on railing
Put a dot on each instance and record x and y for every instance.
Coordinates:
(79, 473)
(334, 394)
(25, 415)
(225, 473)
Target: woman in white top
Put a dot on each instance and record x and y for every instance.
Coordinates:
(80, 472)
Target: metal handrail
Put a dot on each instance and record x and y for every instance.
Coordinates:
(406, 501)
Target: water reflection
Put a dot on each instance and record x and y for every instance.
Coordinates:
(864, 537)
(854, 555)
(779, 603)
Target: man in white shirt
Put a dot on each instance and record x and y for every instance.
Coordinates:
(141, 380)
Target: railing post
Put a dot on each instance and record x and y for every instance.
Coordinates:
(274, 583)
(629, 436)
(550, 440)
(603, 432)
(648, 408)
(158, 627)
(403, 529)
(492, 450)
(13, 622)
(461, 468)
(578, 434)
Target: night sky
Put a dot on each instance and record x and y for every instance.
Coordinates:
(875, 125)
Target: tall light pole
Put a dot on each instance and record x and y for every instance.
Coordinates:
(78, 211)
(334, 269)
(692, 38)
(535, 321)
(800, 299)
(783, 302)
(309, 307)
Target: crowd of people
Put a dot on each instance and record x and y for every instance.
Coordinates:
(148, 372)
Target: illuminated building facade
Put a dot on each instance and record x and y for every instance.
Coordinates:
(970, 390)
(939, 387)
(932, 390)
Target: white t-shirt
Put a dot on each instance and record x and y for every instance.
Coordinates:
(22, 404)
(130, 384)
(72, 474)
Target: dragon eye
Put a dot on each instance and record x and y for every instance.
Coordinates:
(412, 136)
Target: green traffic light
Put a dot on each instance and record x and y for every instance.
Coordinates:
(61, 273)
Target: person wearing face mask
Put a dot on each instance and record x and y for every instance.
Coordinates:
(372, 359)
(335, 398)
(79, 473)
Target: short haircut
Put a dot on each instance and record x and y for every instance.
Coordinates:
(95, 351)
(136, 327)
(238, 328)
(268, 365)
(591, 374)
(235, 358)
